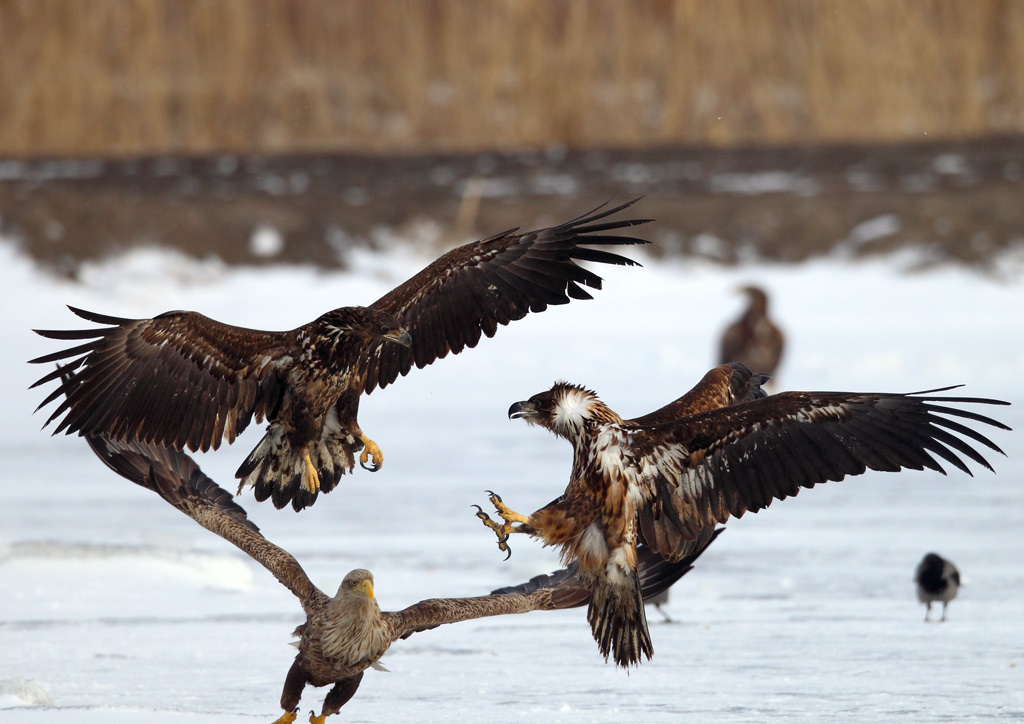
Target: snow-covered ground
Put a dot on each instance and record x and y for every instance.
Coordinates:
(116, 608)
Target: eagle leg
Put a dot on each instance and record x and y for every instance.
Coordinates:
(310, 478)
(287, 718)
(371, 454)
(503, 530)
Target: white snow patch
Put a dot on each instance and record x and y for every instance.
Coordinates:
(805, 612)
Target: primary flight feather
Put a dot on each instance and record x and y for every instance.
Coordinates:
(183, 380)
(724, 449)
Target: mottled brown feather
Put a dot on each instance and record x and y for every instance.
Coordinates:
(731, 450)
(506, 276)
(183, 380)
(338, 640)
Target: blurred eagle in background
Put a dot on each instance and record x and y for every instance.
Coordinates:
(753, 339)
(347, 633)
(720, 451)
(184, 380)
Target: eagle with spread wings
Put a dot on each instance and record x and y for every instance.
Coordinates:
(345, 634)
(721, 450)
(183, 380)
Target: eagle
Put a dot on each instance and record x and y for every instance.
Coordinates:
(183, 380)
(345, 634)
(753, 339)
(665, 482)
(937, 580)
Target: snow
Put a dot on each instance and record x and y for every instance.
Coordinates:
(119, 609)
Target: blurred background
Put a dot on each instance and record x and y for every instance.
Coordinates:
(298, 130)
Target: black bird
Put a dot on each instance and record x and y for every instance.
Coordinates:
(937, 580)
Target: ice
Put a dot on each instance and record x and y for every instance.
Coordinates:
(119, 609)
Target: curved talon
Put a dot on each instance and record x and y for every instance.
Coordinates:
(371, 454)
(287, 718)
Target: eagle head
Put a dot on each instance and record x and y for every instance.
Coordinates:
(356, 585)
(365, 322)
(564, 409)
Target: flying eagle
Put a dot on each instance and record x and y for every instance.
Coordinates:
(183, 380)
(753, 339)
(345, 634)
(667, 483)
(937, 580)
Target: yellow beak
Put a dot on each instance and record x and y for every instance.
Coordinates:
(367, 588)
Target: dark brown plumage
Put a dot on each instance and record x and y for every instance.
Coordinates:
(183, 380)
(753, 339)
(668, 484)
(345, 634)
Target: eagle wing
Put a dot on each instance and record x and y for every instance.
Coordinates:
(435, 612)
(656, 574)
(727, 384)
(176, 478)
(474, 288)
(699, 470)
(562, 589)
(127, 380)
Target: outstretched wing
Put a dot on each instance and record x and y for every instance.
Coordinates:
(176, 478)
(656, 575)
(474, 288)
(177, 380)
(435, 612)
(562, 589)
(701, 469)
(727, 384)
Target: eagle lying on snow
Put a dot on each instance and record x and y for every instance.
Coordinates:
(345, 634)
(184, 380)
(723, 449)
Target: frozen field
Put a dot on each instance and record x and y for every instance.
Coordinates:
(117, 608)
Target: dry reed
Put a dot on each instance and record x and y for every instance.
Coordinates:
(126, 77)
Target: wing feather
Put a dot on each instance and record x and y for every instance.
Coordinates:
(478, 287)
(706, 467)
(127, 382)
(176, 478)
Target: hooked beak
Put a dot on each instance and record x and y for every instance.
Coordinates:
(366, 588)
(522, 409)
(403, 338)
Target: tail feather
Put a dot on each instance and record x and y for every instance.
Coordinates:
(275, 470)
(618, 622)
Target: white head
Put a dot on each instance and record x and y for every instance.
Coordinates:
(564, 410)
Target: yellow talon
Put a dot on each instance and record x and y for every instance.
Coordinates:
(310, 481)
(287, 718)
(317, 719)
(371, 454)
(503, 529)
(505, 512)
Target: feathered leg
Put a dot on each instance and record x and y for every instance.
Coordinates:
(294, 683)
(337, 697)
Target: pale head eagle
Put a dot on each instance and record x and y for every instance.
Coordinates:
(347, 633)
